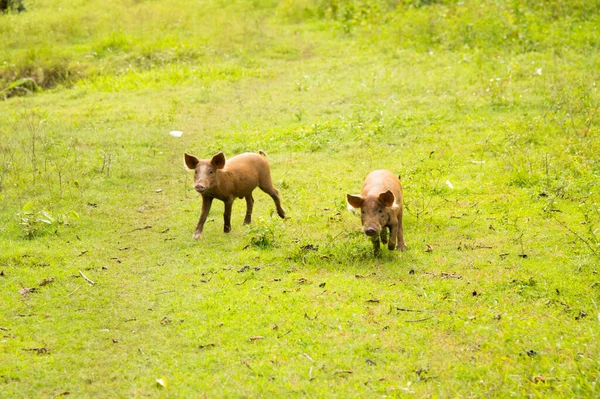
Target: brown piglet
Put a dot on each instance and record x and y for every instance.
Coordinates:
(380, 204)
(229, 179)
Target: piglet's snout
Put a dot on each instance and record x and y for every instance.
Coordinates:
(371, 230)
(200, 186)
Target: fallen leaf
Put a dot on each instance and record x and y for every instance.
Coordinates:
(531, 353)
(538, 378)
(581, 315)
(429, 248)
(373, 300)
(26, 291)
(255, 338)
(46, 282)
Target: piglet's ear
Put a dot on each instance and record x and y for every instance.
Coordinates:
(190, 161)
(355, 201)
(218, 161)
(387, 198)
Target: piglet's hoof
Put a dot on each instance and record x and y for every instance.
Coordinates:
(197, 235)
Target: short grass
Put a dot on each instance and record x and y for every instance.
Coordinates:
(488, 111)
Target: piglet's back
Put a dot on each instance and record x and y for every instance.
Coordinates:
(379, 181)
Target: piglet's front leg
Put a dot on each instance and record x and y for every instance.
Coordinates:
(206, 203)
(227, 214)
(393, 234)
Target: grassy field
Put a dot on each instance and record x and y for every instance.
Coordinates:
(488, 110)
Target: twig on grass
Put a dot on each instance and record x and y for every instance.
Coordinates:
(411, 310)
(445, 275)
(142, 228)
(334, 238)
(284, 334)
(575, 234)
(74, 291)
(85, 278)
(343, 372)
(418, 320)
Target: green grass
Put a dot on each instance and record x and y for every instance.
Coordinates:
(498, 99)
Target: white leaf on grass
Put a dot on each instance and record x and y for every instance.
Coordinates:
(176, 133)
(162, 382)
(449, 184)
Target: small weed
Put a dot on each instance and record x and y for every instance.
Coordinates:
(37, 222)
(263, 234)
